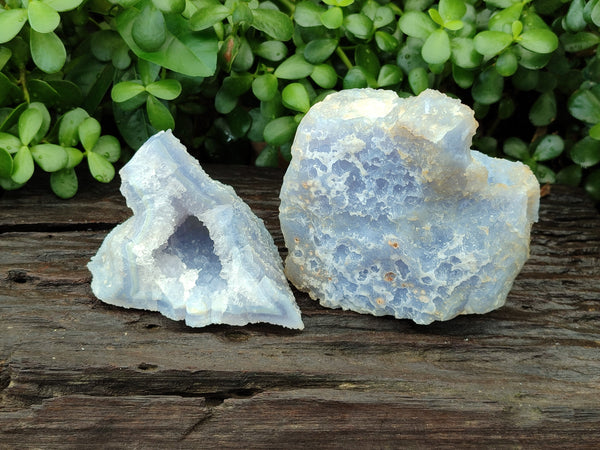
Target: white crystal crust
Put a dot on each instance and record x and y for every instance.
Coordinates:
(386, 210)
(193, 250)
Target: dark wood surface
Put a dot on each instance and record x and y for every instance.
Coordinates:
(75, 372)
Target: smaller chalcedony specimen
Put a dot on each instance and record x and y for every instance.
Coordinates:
(192, 250)
(386, 210)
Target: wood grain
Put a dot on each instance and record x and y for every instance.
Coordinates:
(76, 372)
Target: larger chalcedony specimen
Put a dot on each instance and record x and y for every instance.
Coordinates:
(386, 210)
(193, 249)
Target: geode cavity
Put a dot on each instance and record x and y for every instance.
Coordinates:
(386, 210)
(192, 250)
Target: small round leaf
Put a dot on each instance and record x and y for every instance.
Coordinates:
(488, 86)
(436, 49)
(543, 111)
(418, 80)
(64, 183)
(30, 123)
(50, 157)
(592, 185)
(42, 17)
(22, 166)
(158, 114)
(206, 17)
(507, 63)
(68, 131)
(319, 50)
(89, 132)
(389, 75)
(280, 130)
(416, 24)
(324, 75)
(586, 152)
(295, 96)
(273, 23)
(6, 164)
(170, 6)
(333, 18)
(11, 22)
(490, 43)
(549, 147)
(168, 89)
(47, 51)
(516, 148)
(109, 147)
(294, 68)
(308, 14)
(126, 90)
(10, 143)
(102, 170)
(74, 156)
(271, 50)
(149, 31)
(265, 86)
(585, 106)
(539, 40)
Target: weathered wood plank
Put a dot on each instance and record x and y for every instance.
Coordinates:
(70, 365)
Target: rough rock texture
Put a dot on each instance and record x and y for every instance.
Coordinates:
(386, 210)
(193, 249)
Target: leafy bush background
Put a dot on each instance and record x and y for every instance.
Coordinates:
(84, 80)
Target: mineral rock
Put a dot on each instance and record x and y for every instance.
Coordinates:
(192, 250)
(386, 210)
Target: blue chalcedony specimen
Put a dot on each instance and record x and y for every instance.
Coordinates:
(192, 250)
(386, 210)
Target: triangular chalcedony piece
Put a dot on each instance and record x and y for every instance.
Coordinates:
(193, 250)
(386, 210)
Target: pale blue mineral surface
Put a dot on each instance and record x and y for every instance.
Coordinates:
(192, 250)
(386, 210)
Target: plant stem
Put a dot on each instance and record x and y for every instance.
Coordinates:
(23, 83)
(343, 57)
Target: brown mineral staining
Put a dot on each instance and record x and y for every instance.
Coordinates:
(297, 240)
(393, 244)
(389, 276)
(380, 301)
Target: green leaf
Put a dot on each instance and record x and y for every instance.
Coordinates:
(294, 68)
(10, 143)
(184, 51)
(319, 50)
(389, 75)
(543, 111)
(159, 115)
(592, 185)
(225, 101)
(22, 166)
(6, 164)
(89, 131)
(64, 183)
(257, 125)
(9, 185)
(324, 75)
(170, 6)
(452, 9)
(49, 157)
(242, 14)
(46, 119)
(308, 14)
(126, 90)
(383, 16)
(463, 77)
(507, 63)
(280, 130)
(531, 60)
(539, 40)
(109, 147)
(30, 122)
(416, 24)
(265, 86)
(516, 148)
(418, 80)
(436, 16)
(585, 106)
(102, 170)
(271, 50)
(356, 78)
(13, 117)
(549, 147)
(574, 20)
(295, 96)
(586, 152)
(63, 5)
(367, 59)
(11, 22)
(544, 174)
(359, 25)
(47, 51)
(579, 41)
(273, 23)
(595, 131)
(74, 157)
(488, 87)
(148, 29)
(464, 54)
(269, 157)
(385, 41)
(206, 17)
(168, 89)
(333, 18)
(436, 49)
(490, 43)
(503, 20)
(239, 122)
(148, 71)
(42, 17)
(570, 175)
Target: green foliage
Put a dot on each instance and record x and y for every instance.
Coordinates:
(223, 73)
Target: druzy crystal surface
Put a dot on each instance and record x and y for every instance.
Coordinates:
(192, 250)
(386, 210)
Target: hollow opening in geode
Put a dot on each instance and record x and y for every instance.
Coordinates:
(192, 244)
